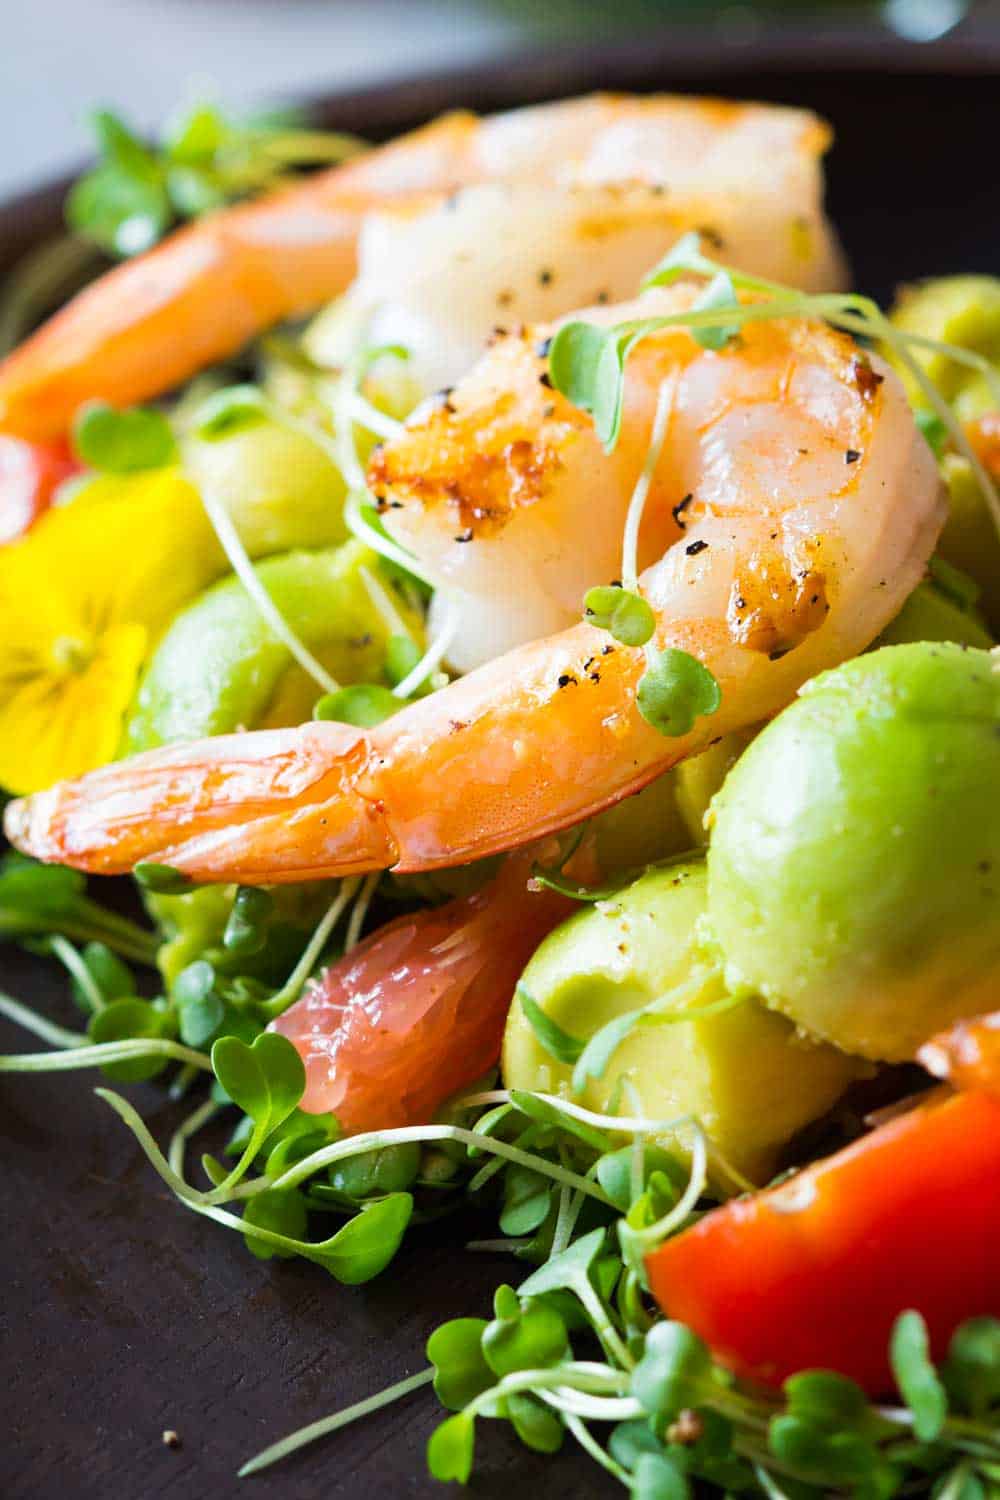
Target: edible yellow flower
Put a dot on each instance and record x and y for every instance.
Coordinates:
(83, 599)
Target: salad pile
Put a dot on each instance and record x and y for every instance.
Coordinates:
(713, 1061)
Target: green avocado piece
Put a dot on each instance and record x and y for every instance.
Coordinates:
(969, 539)
(962, 310)
(855, 855)
(219, 668)
(750, 1079)
(931, 614)
(700, 776)
(280, 486)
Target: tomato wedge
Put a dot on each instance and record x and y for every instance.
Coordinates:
(30, 473)
(812, 1273)
(984, 435)
(968, 1055)
(417, 1011)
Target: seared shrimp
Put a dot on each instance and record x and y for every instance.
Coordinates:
(643, 168)
(795, 507)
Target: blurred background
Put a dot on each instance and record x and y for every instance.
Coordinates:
(142, 57)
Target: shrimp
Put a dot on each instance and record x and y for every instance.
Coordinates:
(417, 1011)
(643, 168)
(794, 508)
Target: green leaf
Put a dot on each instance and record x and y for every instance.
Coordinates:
(123, 212)
(672, 1372)
(195, 135)
(282, 1212)
(523, 1337)
(125, 1020)
(290, 1149)
(199, 1007)
(598, 1052)
(123, 442)
(839, 1457)
(266, 1079)
(630, 1440)
(626, 615)
(162, 880)
(573, 358)
(536, 1425)
(972, 1371)
(720, 292)
(386, 1170)
(675, 690)
(460, 1370)
(556, 1042)
(566, 1269)
(230, 410)
(683, 259)
(916, 1377)
(614, 1173)
(247, 927)
(657, 1476)
(545, 1113)
(933, 429)
(113, 978)
(526, 1201)
(451, 1448)
(365, 704)
(827, 1401)
(368, 1242)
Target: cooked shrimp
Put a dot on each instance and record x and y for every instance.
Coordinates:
(417, 1011)
(748, 173)
(795, 507)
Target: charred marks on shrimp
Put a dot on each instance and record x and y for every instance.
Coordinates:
(484, 460)
(775, 602)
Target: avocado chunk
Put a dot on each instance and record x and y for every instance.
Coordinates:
(855, 851)
(961, 310)
(219, 667)
(745, 1073)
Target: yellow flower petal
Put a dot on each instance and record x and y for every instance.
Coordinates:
(55, 725)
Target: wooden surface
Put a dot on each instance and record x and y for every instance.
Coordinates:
(123, 1315)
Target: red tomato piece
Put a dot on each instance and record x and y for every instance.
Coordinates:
(417, 1011)
(30, 473)
(813, 1273)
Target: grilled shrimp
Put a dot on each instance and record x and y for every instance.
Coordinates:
(640, 170)
(794, 508)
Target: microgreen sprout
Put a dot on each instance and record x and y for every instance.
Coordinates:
(123, 442)
(204, 160)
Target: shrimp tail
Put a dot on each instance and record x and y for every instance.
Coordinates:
(274, 806)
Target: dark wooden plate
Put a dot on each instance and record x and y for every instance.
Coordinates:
(122, 1315)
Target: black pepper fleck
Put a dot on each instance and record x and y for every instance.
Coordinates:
(693, 548)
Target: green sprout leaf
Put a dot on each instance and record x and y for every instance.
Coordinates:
(683, 259)
(401, 656)
(672, 1372)
(284, 1213)
(526, 1202)
(365, 705)
(162, 880)
(972, 1372)
(566, 1269)
(200, 1008)
(451, 1448)
(112, 978)
(573, 359)
(827, 1401)
(538, 1428)
(626, 615)
(557, 1042)
(658, 1476)
(523, 1337)
(128, 1020)
(461, 1372)
(675, 690)
(247, 926)
(266, 1079)
(388, 1170)
(720, 292)
(916, 1377)
(123, 442)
